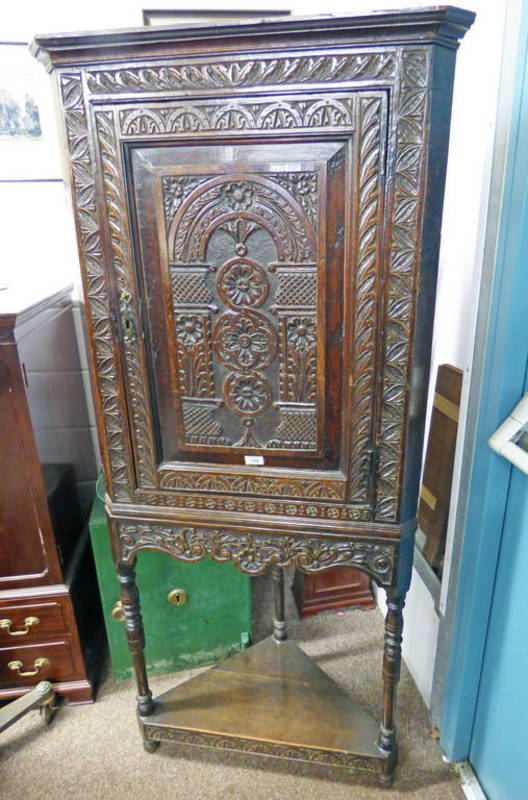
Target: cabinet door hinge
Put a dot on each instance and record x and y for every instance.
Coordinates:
(373, 460)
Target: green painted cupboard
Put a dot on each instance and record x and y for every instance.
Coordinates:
(212, 624)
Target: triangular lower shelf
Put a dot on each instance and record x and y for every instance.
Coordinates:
(269, 700)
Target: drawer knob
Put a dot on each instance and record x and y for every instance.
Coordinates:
(118, 615)
(178, 597)
(29, 622)
(38, 664)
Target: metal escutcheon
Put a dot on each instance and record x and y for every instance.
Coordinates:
(178, 597)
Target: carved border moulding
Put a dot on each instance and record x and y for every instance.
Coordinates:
(98, 306)
(254, 553)
(305, 487)
(122, 269)
(370, 160)
(240, 71)
(191, 117)
(409, 167)
(266, 505)
(331, 758)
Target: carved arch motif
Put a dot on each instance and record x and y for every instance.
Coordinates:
(213, 203)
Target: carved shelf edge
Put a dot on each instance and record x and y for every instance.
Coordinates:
(254, 553)
(333, 758)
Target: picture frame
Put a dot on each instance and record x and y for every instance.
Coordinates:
(29, 146)
(167, 16)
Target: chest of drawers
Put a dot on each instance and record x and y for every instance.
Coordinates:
(50, 618)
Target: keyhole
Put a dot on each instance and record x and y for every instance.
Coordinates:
(128, 329)
(178, 597)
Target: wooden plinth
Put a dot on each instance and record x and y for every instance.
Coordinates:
(270, 700)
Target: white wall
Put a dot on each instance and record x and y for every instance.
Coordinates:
(471, 146)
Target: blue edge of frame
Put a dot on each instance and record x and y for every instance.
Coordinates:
(502, 387)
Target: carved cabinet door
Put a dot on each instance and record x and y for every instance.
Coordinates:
(249, 313)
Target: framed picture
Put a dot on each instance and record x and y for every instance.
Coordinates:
(29, 147)
(207, 17)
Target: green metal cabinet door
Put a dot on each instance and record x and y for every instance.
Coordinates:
(213, 623)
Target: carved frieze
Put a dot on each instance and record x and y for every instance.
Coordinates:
(255, 553)
(204, 74)
(188, 118)
(305, 488)
(258, 747)
(286, 508)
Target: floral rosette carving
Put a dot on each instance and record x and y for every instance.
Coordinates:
(247, 394)
(301, 333)
(189, 330)
(242, 283)
(245, 341)
(238, 196)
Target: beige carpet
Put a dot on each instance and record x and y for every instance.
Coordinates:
(95, 752)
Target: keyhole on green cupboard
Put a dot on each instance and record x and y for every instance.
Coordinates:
(178, 597)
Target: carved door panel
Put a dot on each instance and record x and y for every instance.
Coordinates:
(257, 266)
(243, 287)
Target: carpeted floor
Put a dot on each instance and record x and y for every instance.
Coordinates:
(94, 752)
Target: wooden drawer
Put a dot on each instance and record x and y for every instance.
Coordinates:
(59, 667)
(18, 625)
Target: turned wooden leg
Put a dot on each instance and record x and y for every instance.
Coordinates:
(135, 634)
(391, 676)
(279, 621)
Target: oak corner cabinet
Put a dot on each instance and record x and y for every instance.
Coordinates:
(258, 211)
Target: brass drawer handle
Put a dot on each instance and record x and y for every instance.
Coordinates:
(29, 622)
(38, 664)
